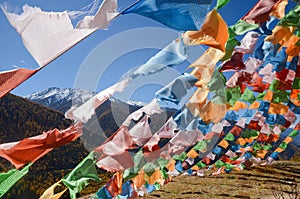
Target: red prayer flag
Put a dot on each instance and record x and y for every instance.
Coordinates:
(260, 12)
(11, 79)
(33, 148)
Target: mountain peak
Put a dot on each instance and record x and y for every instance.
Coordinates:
(62, 99)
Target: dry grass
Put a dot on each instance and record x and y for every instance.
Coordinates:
(259, 182)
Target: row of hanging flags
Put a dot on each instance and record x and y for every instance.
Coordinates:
(230, 122)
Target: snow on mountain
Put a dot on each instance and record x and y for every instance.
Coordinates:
(136, 103)
(59, 94)
(63, 99)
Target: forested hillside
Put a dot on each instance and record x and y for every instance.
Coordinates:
(19, 119)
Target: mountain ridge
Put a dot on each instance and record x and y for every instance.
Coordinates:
(62, 99)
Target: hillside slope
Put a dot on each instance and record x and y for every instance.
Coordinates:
(282, 177)
(19, 119)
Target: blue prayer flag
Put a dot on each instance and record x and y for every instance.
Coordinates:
(177, 14)
(177, 89)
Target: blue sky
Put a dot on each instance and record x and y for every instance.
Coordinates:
(62, 72)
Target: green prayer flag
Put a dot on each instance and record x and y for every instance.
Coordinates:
(229, 166)
(248, 96)
(283, 145)
(149, 168)
(201, 165)
(164, 173)
(294, 133)
(280, 96)
(248, 133)
(162, 162)
(257, 146)
(233, 95)
(221, 3)
(267, 147)
(230, 45)
(219, 97)
(242, 27)
(260, 96)
(156, 185)
(235, 158)
(292, 18)
(296, 84)
(274, 85)
(139, 162)
(219, 164)
(180, 157)
(200, 146)
(129, 173)
(229, 137)
(254, 133)
(7, 180)
(78, 178)
(217, 82)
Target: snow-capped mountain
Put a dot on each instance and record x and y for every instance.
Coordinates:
(108, 117)
(63, 99)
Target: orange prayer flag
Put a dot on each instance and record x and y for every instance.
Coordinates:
(269, 96)
(278, 108)
(288, 140)
(212, 112)
(292, 49)
(213, 33)
(279, 150)
(171, 165)
(195, 168)
(139, 180)
(248, 140)
(192, 153)
(254, 105)
(295, 93)
(197, 100)
(114, 186)
(294, 97)
(223, 144)
(241, 141)
(238, 105)
(280, 35)
(261, 153)
(278, 9)
(208, 59)
(155, 177)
